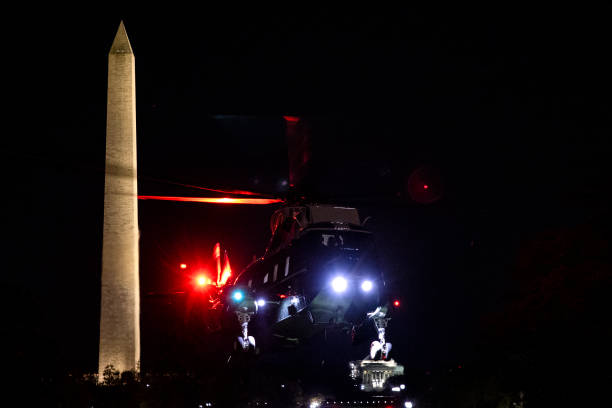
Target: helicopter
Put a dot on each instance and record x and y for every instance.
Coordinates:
(319, 270)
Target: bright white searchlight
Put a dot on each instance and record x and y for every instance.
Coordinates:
(339, 284)
(367, 285)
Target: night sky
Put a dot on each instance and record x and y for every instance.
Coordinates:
(507, 110)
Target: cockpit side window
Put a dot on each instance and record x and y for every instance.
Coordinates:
(284, 234)
(332, 240)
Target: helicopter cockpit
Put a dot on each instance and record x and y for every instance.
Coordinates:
(290, 223)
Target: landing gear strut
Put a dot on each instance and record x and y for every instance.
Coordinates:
(380, 345)
(244, 342)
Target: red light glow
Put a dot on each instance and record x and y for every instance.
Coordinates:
(291, 118)
(215, 200)
(217, 256)
(183, 266)
(202, 280)
(425, 186)
(227, 271)
(396, 303)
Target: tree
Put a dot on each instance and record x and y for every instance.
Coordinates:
(110, 375)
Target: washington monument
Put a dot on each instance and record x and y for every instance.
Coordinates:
(120, 301)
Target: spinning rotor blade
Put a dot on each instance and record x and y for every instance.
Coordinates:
(237, 192)
(215, 200)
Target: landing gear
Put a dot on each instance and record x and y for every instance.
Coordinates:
(245, 342)
(380, 347)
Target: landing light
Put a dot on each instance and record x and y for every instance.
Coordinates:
(237, 296)
(261, 302)
(339, 284)
(408, 404)
(366, 285)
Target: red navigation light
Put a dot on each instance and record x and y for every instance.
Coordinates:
(183, 266)
(291, 118)
(425, 186)
(282, 296)
(396, 303)
(202, 280)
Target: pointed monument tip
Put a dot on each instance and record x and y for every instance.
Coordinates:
(121, 43)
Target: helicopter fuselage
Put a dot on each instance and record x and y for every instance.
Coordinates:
(325, 277)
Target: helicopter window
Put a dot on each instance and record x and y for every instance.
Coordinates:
(250, 284)
(275, 273)
(332, 240)
(356, 241)
(283, 235)
(275, 221)
(345, 241)
(265, 278)
(287, 266)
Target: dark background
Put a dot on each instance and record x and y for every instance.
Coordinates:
(508, 109)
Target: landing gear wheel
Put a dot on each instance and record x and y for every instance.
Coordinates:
(386, 349)
(375, 350)
(245, 345)
(380, 349)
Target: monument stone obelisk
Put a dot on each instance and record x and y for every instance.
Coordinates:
(120, 300)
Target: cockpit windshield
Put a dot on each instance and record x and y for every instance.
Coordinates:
(343, 240)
